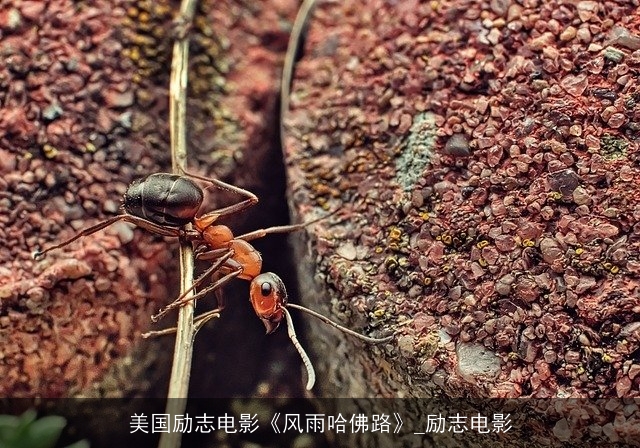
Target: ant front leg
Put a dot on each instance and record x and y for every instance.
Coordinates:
(209, 218)
(199, 322)
(184, 299)
(202, 319)
(145, 224)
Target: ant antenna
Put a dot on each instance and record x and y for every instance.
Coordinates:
(311, 374)
(326, 320)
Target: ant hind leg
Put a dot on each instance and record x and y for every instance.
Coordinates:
(209, 218)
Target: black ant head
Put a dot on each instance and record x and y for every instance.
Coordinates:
(268, 297)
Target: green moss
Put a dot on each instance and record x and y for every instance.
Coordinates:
(416, 151)
(612, 147)
(28, 432)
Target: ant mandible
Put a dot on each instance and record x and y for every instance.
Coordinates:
(164, 203)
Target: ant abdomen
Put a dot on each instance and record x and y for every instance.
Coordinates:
(164, 199)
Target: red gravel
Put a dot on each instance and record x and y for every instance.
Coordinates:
(484, 160)
(83, 111)
(67, 155)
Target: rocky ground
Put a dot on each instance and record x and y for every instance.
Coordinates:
(84, 112)
(480, 159)
(483, 157)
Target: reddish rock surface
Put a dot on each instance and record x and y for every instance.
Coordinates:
(68, 152)
(483, 158)
(83, 111)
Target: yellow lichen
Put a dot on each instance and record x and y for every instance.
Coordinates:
(528, 243)
(395, 233)
(50, 151)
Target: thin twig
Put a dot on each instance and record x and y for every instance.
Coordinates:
(186, 330)
(295, 42)
(183, 352)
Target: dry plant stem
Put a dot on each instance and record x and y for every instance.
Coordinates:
(295, 40)
(183, 352)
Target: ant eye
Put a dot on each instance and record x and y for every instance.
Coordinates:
(266, 289)
(267, 294)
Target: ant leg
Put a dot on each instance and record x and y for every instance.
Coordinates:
(223, 185)
(213, 254)
(220, 260)
(182, 299)
(38, 254)
(153, 227)
(198, 322)
(278, 229)
(216, 286)
(180, 302)
(218, 292)
(201, 320)
(229, 265)
(271, 230)
(148, 225)
(209, 218)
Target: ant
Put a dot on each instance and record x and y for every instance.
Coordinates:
(164, 203)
